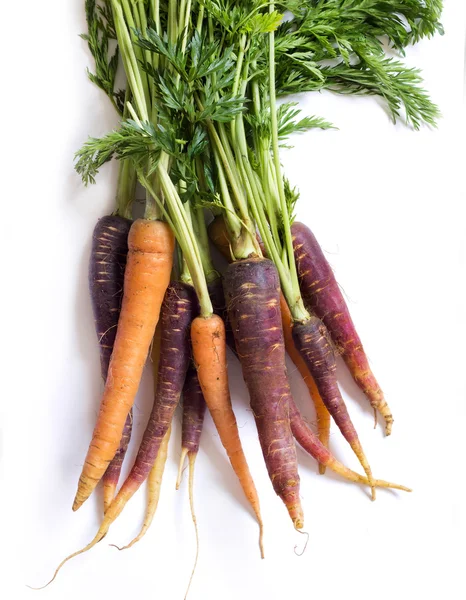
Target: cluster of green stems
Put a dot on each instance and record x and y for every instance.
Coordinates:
(250, 195)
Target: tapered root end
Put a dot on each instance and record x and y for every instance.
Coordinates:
(380, 483)
(357, 449)
(82, 494)
(322, 469)
(100, 534)
(297, 516)
(261, 539)
(305, 544)
(134, 541)
(388, 426)
(184, 452)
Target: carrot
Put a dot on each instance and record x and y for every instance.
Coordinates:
(193, 419)
(307, 439)
(112, 474)
(177, 311)
(154, 484)
(321, 291)
(219, 236)
(252, 293)
(217, 296)
(107, 264)
(317, 447)
(147, 274)
(209, 350)
(322, 414)
(312, 341)
(175, 321)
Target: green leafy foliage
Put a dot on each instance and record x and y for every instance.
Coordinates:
(287, 123)
(201, 72)
(100, 34)
(337, 45)
(140, 142)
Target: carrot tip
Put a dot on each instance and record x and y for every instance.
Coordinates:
(118, 547)
(322, 469)
(184, 452)
(261, 538)
(388, 427)
(305, 544)
(76, 503)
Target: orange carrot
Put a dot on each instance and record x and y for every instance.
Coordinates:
(150, 257)
(209, 351)
(322, 414)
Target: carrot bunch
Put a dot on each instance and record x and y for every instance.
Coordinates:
(200, 130)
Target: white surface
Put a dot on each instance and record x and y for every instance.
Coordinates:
(387, 205)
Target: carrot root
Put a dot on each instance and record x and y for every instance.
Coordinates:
(192, 460)
(148, 268)
(209, 351)
(154, 484)
(323, 295)
(184, 454)
(312, 341)
(307, 439)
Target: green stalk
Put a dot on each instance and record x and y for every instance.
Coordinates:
(172, 208)
(292, 291)
(155, 13)
(187, 241)
(250, 246)
(138, 51)
(129, 60)
(172, 21)
(200, 18)
(125, 188)
(239, 68)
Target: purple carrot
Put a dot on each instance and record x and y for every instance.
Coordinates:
(178, 310)
(106, 275)
(194, 408)
(175, 321)
(309, 441)
(322, 294)
(312, 341)
(252, 293)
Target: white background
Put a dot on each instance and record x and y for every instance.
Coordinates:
(387, 205)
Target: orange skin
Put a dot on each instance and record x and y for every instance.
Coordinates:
(209, 352)
(147, 275)
(219, 237)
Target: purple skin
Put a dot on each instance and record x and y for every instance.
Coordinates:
(106, 276)
(194, 408)
(322, 294)
(252, 293)
(312, 341)
(178, 310)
